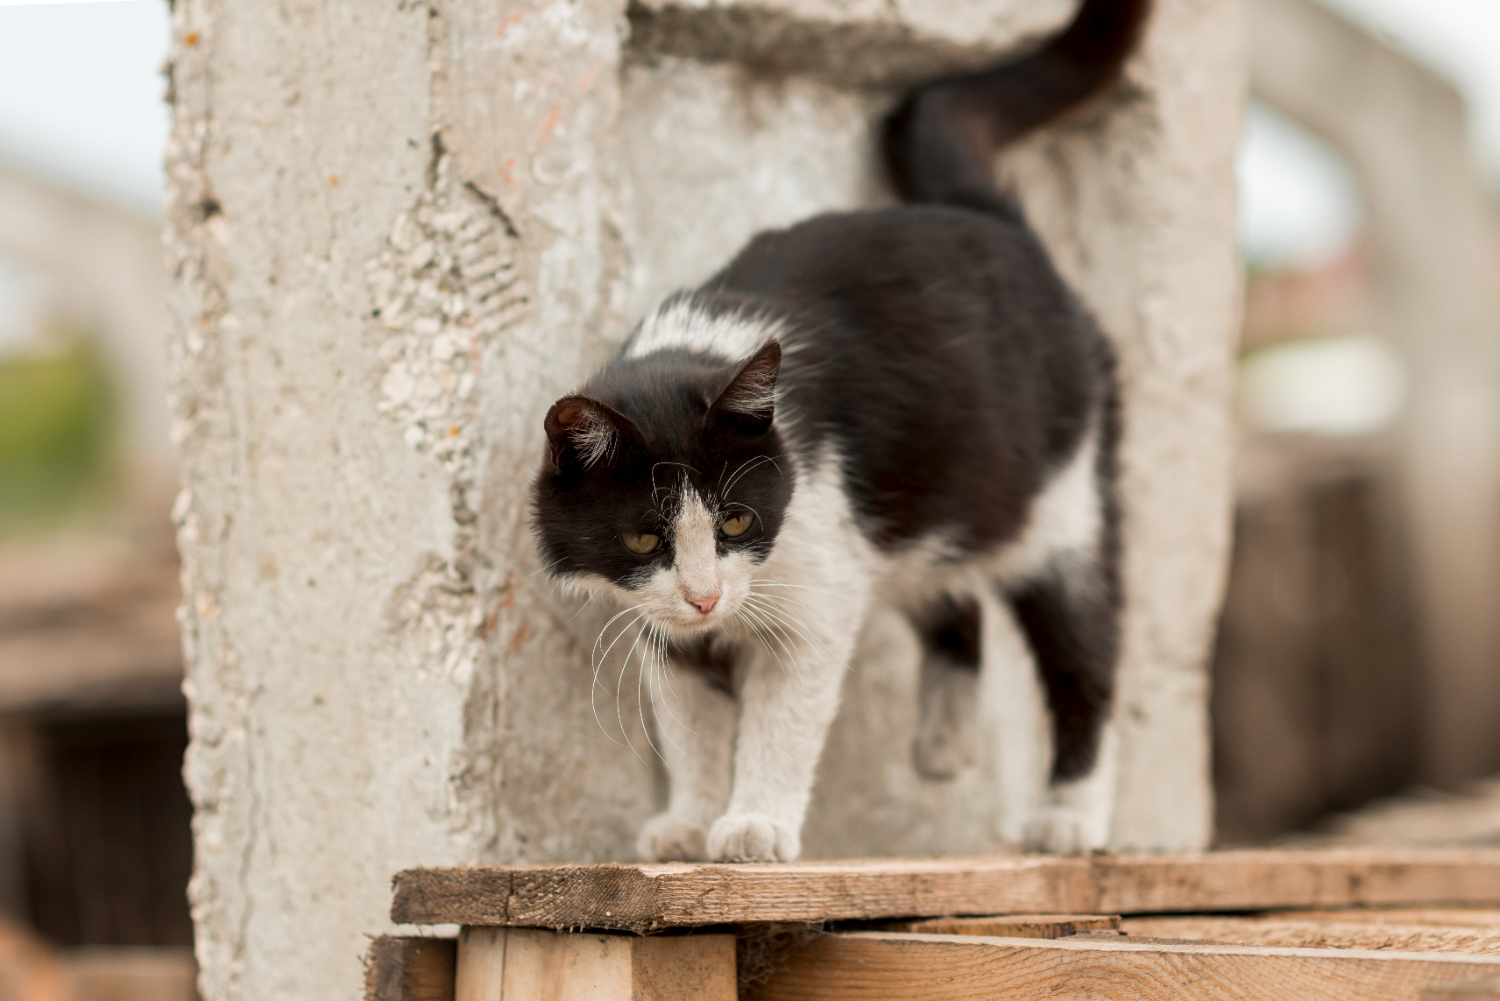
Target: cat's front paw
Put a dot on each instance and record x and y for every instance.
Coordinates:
(666, 838)
(753, 837)
(1061, 832)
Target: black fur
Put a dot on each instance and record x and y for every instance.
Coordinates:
(940, 352)
(940, 140)
(933, 345)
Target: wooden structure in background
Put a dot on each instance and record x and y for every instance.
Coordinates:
(95, 823)
(1311, 925)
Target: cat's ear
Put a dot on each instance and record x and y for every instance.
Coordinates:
(750, 396)
(584, 431)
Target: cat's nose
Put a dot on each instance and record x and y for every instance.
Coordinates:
(704, 605)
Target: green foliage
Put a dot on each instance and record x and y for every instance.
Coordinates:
(57, 424)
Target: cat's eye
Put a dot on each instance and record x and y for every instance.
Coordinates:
(641, 543)
(736, 525)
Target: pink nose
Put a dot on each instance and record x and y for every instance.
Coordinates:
(704, 605)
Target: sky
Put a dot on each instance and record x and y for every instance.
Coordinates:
(81, 95)
(80, 101)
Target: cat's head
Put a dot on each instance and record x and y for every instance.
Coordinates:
(665, 483)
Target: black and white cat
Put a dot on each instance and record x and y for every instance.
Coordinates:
(884, 410)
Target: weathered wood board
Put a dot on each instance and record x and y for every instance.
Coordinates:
(647, 897)
(1010, 926)
(1329, 930)
(897, 967)
(1484, 989)
(525, 964)
(409, 968)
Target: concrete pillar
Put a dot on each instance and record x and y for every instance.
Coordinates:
(398, 232)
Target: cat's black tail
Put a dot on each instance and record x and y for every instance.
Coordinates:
(940, 142)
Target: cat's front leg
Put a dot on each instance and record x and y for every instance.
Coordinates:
(787, 701)
(695, 721)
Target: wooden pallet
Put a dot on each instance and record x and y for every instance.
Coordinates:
(1309, 925)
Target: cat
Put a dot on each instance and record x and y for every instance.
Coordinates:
(872, 411)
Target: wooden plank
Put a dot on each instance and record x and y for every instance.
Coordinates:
(1011, 926)
(1460, 917)
(480, 972)
(1319, 878)
(523, 964)
(1484, 989)
(646, 897)
(953, 968)
(410, 968)
(1321, 933)
(683, 968)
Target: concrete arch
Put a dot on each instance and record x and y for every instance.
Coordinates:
(1402, 129)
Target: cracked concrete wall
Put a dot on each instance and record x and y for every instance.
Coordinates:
(398, 232)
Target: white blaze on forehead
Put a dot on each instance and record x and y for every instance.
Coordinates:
(695, 545)
(680, 323)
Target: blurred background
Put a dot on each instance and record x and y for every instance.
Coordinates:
(95, 842)
(1357, 667)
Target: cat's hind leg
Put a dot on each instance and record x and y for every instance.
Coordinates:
(1070, 617)
(947, 739)
(694, 705)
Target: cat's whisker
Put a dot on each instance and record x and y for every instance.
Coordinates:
(663, 673)
(792, 622)
(786, 606)
(666, 664)
(611, 621)
(809, 637)
(760, 630)
(785, 616)
(766, 628)
(764, 635)
(804, 587)
(640, 684)
(587, 601)
(599, 664)
(747, 466)
(601, 658)
(620, 685)
(549, 566)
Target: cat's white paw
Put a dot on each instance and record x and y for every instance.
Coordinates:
(666, 838)
(1061, 832)
(753, 837)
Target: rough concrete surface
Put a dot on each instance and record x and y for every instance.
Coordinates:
(398, 231)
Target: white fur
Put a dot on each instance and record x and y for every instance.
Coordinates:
(594, 437)
(680, 323)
